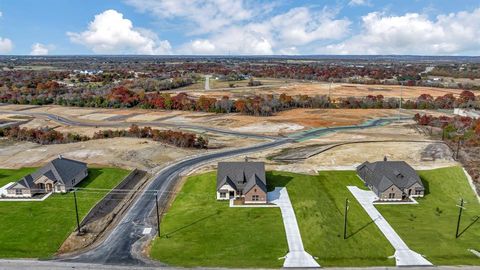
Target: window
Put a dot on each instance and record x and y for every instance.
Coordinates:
(391, 195)
(18, 191)
(255, 198)
(223, 195)
(418, 192)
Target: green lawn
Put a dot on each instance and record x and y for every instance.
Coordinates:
(204, 232)
(9, 175)
(198, 230)
(429, 227)
(319, 203)
(37, 229)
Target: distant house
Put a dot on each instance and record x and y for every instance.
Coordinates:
(472, 113)
(59, 176)
(242, 180)
(391, 180)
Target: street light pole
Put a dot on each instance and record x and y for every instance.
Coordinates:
(458, 149)
(345, 220)
(76, 210)
(158, 216)
(400, 104)
(459, 217)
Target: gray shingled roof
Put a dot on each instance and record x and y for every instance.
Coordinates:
(59, 169)
(384, 174)
(25, 182)
(254, 181)
(242, 174)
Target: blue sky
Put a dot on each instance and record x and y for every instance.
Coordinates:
(58, 27)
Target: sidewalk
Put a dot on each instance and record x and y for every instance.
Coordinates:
(297, 256)
(404, 256)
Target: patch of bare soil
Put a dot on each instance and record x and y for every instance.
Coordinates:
(335, 90)
(403, 143)
(116, 152)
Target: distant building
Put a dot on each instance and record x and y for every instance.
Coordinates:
(59, 176)
(242, 180)
(467, 112)
(391, 180)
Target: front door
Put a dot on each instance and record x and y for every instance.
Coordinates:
(231, 194)
(49, 187)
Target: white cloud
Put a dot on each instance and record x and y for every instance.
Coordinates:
(1, 14)
(300, 26)
(281, 34)
(359, 3)
(39, 49)
(110, 33)
(205, 15)
(6, 45)
(413, 33)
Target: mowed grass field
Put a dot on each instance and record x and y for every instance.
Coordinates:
(37, 229)
(319, 203)
(198, 230)
(429, 227)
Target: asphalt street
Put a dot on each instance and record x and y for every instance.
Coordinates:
(123, 244)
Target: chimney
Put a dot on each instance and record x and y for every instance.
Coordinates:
(385, 158)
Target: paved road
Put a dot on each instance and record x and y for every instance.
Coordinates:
(297, 257)
(117, 247)
(55, 265)
(122, 246)
(123, 243)
(404, 256)
(71, 122)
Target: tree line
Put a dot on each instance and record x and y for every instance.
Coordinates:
(258, 105)
(48, 135)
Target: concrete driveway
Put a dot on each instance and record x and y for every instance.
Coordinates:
(297, 256)
(404, 256)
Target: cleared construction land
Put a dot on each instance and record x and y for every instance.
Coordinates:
(321, 88)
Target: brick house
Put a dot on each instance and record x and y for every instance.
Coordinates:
(242, 180)
(391, 180)
(59, 176)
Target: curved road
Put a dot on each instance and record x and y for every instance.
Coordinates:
(70, 122)
(122, 245)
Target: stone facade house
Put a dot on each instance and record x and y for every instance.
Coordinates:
(391, 180)
(59, 176)
(242, 180)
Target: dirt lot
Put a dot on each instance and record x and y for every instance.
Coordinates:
(281, 123)
(420, 152)
(336, 90)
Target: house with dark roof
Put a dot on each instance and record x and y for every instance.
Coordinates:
(242, 180)
(391, 180)
(59, 176)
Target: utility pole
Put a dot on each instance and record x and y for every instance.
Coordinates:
(400, 104)
(345, 220)
(458, 149)
(76, 209)
(459, 217)
(158, 216)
